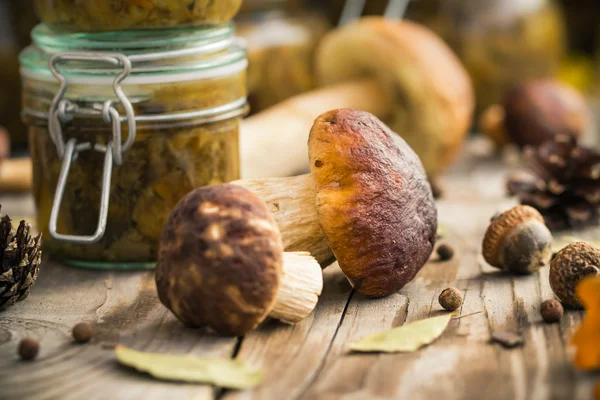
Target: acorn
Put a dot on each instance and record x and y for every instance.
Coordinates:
(573, 263)
(518, 241)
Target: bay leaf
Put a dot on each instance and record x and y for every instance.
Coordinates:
(406, 338)
(441, 231)
(226, 373)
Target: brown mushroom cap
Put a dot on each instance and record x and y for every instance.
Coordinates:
(220, 260)
(504, 225)
(432, 90)
(573, 263)
(539, 110)
(375, 204)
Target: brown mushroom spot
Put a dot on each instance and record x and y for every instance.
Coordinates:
(220, 260)
(573, 263)
(374, 201)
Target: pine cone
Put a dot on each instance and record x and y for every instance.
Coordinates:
(20, 257)
(562, 183)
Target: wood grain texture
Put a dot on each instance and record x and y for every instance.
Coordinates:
(310, 360)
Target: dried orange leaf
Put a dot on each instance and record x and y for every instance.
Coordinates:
(405, 338)
(587, 338)
(226, 373)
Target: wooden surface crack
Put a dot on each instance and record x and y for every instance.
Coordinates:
(327, 352)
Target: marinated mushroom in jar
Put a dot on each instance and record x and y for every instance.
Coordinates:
(116, 15)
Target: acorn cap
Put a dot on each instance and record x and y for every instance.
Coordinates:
(220, 260)
(573, 263)
(501, 226)
(375, 204)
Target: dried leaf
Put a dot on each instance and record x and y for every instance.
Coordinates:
(232, 374)
(406, 338)
(587, 338)
(441, 231)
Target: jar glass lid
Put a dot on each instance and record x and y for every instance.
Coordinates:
(213, 51)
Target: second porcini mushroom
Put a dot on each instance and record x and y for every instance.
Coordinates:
(367, 198)
(221, 264)
(518, 241)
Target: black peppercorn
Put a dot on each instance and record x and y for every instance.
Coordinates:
(445, 252)
(83, 332)
(551, 310)
(28, 348)
(451, 299)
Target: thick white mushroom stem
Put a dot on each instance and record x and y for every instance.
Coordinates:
(401, 72)
(273, 142)
(15, 175)
(292, 202)
(301, 286)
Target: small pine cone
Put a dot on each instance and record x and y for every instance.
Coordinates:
(562, 182)
(20, 258)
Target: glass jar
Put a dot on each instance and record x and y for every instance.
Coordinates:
(282, 37)
(140, 119)
(116, 15)
(501, 42)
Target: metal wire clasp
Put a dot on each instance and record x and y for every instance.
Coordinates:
(354, 8)
(63, 111)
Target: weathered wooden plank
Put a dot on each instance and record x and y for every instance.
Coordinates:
(309, 360)
(463, 364)
(292, 356)
(126, 309)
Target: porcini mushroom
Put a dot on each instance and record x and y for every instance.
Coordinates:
(221, 264)
(536, 111)
(369, 194)
(397, 70)
(15, 174)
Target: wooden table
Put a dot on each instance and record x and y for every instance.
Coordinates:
(309, 360)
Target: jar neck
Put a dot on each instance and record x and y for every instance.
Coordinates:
(130, 42)
(154, 55)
